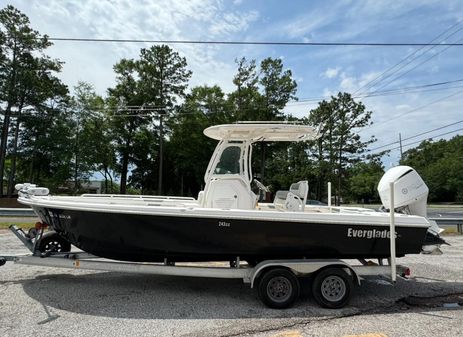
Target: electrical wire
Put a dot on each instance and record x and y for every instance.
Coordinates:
(379, 78)
(397, 91)
(418, 141)
(413, 68)
(410, 111)
(274, 43)
(417, 135)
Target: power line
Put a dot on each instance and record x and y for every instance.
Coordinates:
(410, 111)
(429, 138)
(275, 43)
(379, 78)
(412, 89)
(396, 91)
(439, 128)
(413, 68)
(421, 140)
(417, 135)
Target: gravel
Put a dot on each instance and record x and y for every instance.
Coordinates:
(37, 301)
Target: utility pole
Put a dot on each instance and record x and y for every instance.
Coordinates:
(400, 142)
(161, 137)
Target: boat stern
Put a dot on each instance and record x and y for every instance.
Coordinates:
(433, 240)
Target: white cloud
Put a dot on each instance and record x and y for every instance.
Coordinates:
(302, 28)
(230, 23)
(143, 20)
(402, 106)
(328, 93)
(367, 78)
(331, 72)
(351, 83)
(391, 116)
(348, 83)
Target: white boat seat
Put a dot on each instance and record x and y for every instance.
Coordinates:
(293, 200)
(228, 192)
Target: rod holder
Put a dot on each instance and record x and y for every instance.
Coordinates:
(392, 237)
(329, 195)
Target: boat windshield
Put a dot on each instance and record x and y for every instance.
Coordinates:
(229, 161)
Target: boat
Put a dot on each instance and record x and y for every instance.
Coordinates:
(226, 221)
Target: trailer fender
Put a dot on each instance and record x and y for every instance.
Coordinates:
(301, 268)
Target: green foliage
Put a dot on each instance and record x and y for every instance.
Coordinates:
(288, 164)
(154, 82)
(26, 80)
(245, 101)
(440, 164)
(92, 136)
(339, 146)
(278, 87)
(190, 149)
(162, 76)
(363, 181)
(144, 154)
(47, 146)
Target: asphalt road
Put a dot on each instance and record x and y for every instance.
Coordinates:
(38, 301)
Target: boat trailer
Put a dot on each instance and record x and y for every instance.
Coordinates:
(278, 282)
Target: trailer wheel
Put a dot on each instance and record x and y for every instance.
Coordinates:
(2, 261)
(278, 288)
(52, 242)
(332, 288)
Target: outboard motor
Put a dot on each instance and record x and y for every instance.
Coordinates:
(410, 197)
(410, 191)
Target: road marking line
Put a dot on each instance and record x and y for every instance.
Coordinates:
(289, 333)
(368, 335)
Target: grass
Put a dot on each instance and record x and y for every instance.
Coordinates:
(450, 231)
(24, 225)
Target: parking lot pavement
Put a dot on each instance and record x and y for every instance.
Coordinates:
(37, 301)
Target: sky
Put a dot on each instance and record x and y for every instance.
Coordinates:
(320, 71)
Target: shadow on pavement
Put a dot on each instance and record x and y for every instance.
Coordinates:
(165, 297)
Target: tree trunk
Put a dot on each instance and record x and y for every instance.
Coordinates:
(6, 120)
(77, 154)
(3, 144)
(111, 181)
(320, 181)
(12, 176)
(339, 188)
(125, 165)
(31, 169)
(105, 179)
(181, 185)
(341, 145)
(161, 136)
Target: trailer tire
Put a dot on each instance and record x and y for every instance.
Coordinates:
(332, 288)
(52, 242)
(2, 261)
(278, 288)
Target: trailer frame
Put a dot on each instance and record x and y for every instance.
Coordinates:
(269, 276)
